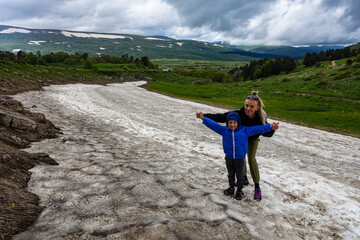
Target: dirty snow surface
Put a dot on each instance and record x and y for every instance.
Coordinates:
(134, 164)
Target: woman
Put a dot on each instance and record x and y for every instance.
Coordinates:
(251, 114)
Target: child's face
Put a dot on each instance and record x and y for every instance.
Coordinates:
(232, 124)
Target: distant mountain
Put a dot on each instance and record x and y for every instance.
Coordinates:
(253, 54)
(14, 39)
(293, 52)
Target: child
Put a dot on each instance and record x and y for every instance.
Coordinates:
(235, 144)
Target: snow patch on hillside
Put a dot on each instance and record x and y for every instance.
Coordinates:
(36, 42)
(15, 30)
(159, 39)
(217, 45)
(92, 35)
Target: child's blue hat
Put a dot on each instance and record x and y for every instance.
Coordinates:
(233, 116)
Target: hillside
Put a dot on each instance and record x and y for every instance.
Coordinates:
(14, 39)
(320, 97)
(46, 41)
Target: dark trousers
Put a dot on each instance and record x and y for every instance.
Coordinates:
(235, 167)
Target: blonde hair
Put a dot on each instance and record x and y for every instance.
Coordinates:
(261, 113)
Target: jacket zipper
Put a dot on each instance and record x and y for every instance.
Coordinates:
(233, 137)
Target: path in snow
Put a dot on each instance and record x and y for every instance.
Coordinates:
(139, 165)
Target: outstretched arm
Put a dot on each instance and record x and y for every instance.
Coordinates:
(250, 131)
(216, 127)
(217, 117)
(200, 115)
(274, 125)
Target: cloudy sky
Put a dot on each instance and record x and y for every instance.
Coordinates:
(241, 22)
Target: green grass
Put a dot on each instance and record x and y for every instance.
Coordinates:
(191, 64)
(323, 97)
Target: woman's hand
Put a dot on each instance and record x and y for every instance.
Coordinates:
(200, 115)
(274, 125)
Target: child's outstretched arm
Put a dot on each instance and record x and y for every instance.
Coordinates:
(216, 127)
(250, 131)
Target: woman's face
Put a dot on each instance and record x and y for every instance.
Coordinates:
(251, 106)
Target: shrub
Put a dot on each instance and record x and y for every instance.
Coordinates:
(357, 59)
(88, 64)
(349, 62)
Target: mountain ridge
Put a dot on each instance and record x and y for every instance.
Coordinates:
(14, 39)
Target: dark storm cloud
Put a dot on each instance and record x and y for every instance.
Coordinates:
(22, 9)
(293, 22)
(275, 21)
(218, 14)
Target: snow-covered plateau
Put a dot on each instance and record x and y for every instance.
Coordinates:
(134, 164)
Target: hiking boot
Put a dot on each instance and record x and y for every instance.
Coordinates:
(229, 191)
(257, 195)
(246, 181)
(239, 195)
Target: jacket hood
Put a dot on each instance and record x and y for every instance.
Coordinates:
(233, 116)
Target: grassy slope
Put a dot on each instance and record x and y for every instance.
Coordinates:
(326, 97)
(133, 45)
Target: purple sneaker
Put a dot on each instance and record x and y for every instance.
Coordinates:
(257, 195)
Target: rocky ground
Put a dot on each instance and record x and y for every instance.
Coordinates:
(18, 128)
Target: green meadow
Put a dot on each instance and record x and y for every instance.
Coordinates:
(325, 97)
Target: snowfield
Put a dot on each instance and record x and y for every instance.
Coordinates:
(15, 30)
(92, 35)
(134, 164)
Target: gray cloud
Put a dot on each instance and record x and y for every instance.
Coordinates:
(275, 22)
(218, 14)
(292, 22)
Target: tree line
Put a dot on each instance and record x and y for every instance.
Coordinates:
(311, 59)
(263, 68)
(73, 59)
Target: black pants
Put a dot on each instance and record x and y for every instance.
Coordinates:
(235, 167)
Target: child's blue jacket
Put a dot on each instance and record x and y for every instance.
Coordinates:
(235, 143)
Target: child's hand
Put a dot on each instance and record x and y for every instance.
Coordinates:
(200, 115)
(274, 125)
